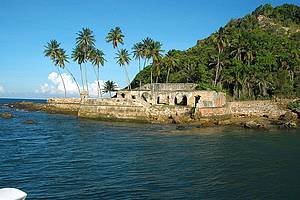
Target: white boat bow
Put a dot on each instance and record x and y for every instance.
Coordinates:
(12, 194)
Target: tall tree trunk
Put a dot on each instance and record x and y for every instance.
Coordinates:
(98, 71)
(62, 82)
(152, 74)
(140, 72)
(145, 63)
(217, 71)
(167, 80)
(110, 94)
(81, 77)
(127, 77)
(98, 83)
(73, 79)
(86, 81)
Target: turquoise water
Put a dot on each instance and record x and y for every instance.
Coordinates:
(63, 157)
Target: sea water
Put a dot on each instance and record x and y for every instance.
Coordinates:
(64, 157)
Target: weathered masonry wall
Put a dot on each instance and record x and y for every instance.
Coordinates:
(112, 109)
(128, 109)
(138, 110)
(187, 98)
(256, 108)
(64, 105)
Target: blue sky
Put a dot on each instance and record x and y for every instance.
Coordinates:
(26, 26)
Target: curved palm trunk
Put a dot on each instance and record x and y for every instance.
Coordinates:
(81, 77)
(62, 82)
(86, 81)
(217, 71)
(145, 62)
(98, 83)
(73, 79)
(127, 77)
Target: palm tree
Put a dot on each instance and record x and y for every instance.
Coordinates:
(146, 50)
(115, 36)
(97, 59)
(62, 59)
(86, 41)
(155, 53)
(109, 86)
(170, 61)
(138, 50)
(52, 50)
(221, 42)
(123, 59)
(78, 56)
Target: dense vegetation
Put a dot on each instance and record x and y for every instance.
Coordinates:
(255, 57)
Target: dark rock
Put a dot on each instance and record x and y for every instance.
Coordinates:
(288, 116)
(289, 125)
(181, 127)
(254, 125)
(6, 115)
(29, 121)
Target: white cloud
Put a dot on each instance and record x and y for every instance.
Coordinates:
(55, 86)
(1, 89)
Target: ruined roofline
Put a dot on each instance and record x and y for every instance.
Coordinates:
(167, 87)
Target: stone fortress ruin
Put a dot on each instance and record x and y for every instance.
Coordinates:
(174, 94)
(160, 102)
(163, 103)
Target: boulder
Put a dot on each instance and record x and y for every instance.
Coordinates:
(254, 125)
(29, 121)
(6, 115)
(288, 116)
(289, 125)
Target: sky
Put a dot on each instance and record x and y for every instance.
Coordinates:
(26, 27)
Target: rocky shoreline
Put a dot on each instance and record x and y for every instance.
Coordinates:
(290, 119)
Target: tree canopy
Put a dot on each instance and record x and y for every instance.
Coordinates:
(254, 57)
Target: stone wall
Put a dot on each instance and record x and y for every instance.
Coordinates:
(125, 109)
(212, 112)
(133, 110)
(64, 105)
(268, 108)
(189, 98)
(139, 110)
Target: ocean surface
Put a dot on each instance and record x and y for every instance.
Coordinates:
(63, 157)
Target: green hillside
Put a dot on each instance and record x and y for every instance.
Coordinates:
(254, 57)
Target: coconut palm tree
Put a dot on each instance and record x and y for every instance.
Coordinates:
(109, 86)
(123, 59)
(138, 50)
(115, 36)
(146, 50)
(170, 61)
(97, 59)
(155, 52)
(220, 42)
(78, 56)
(52, 50)
(62, 59)
(86, 41)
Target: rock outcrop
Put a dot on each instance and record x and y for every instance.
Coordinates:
(6, 115)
